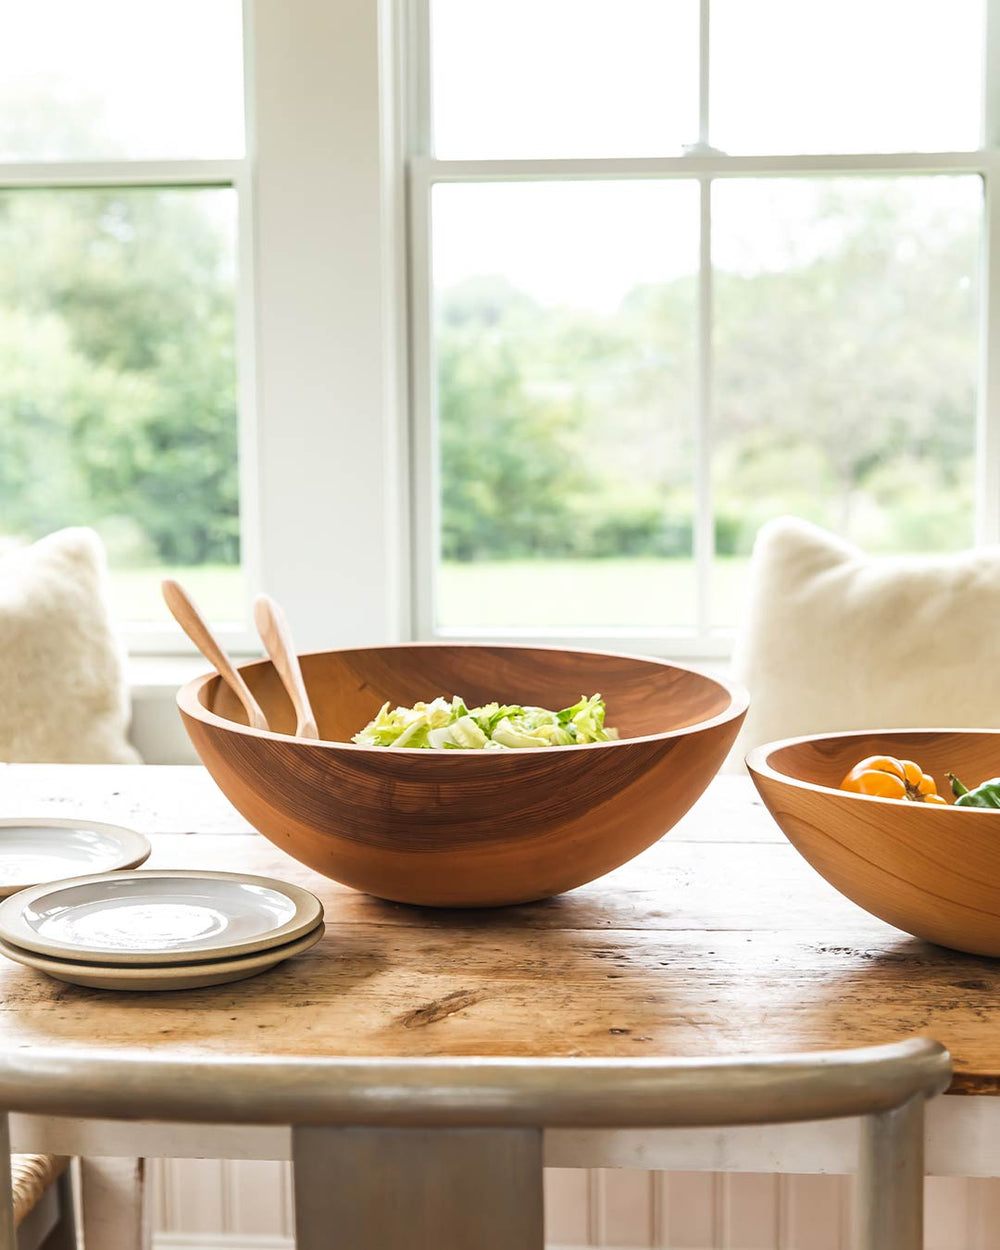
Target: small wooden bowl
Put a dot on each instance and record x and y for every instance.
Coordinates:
(932, 871)
(465, 828)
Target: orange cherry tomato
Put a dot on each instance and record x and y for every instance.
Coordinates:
(889, 778)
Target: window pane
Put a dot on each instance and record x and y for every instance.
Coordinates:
(855, 76)
(534, 78)
(109, 79)
(565, 322)
(117, 383)
(846, 350)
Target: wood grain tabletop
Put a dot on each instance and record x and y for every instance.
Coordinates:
(719, 940)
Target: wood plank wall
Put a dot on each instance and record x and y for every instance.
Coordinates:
(246, 1204)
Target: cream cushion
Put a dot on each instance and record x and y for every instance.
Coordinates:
(833, 639)
(63, 697)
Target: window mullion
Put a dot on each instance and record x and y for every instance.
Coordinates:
(424, 533)
(703, 533)
(425, 494)
(248, 434)
(246, 384)
(415, 23)
(988, 426)
(85, 174)
(990, 137)
(704, 75)
(704, 529)
(698, 164)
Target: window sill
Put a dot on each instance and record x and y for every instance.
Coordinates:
(152, 675)
(153, 681)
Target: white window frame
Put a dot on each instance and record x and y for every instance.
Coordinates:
(132, 175)
(338, 498)
(705, 164)
(320, 319)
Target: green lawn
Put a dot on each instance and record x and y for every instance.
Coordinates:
(640, 593)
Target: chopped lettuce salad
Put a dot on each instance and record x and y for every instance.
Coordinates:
(448, 725)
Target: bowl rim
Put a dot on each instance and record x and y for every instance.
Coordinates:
(189, 703)
(758, 765)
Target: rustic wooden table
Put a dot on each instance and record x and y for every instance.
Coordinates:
(717, 941)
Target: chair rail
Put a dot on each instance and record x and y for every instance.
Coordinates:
(475, 1092)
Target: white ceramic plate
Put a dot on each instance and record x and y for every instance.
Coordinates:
(34, 850)
(157, 917)
(168, 976)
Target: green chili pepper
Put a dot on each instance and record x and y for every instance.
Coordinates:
(985, 795)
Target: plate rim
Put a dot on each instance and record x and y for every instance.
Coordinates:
(15, 932)
(131, 975)
(141, 847)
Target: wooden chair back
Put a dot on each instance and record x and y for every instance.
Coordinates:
(446, 1154)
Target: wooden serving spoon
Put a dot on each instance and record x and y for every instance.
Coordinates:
(193, 623)
(277, 639)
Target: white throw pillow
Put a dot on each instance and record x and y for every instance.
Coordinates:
(63, 697)
(833, 639)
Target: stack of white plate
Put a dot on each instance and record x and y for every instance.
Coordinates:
(33, 850)
(158, 930)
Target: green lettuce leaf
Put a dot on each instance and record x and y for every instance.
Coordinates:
(450, 725)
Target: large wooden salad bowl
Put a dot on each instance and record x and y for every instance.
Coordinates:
(930, 870)
(465, 828)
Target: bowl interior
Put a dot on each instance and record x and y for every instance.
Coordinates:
(974, 755)
(347, 687)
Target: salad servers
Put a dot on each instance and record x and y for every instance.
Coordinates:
(275, 634)
(188, 617)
